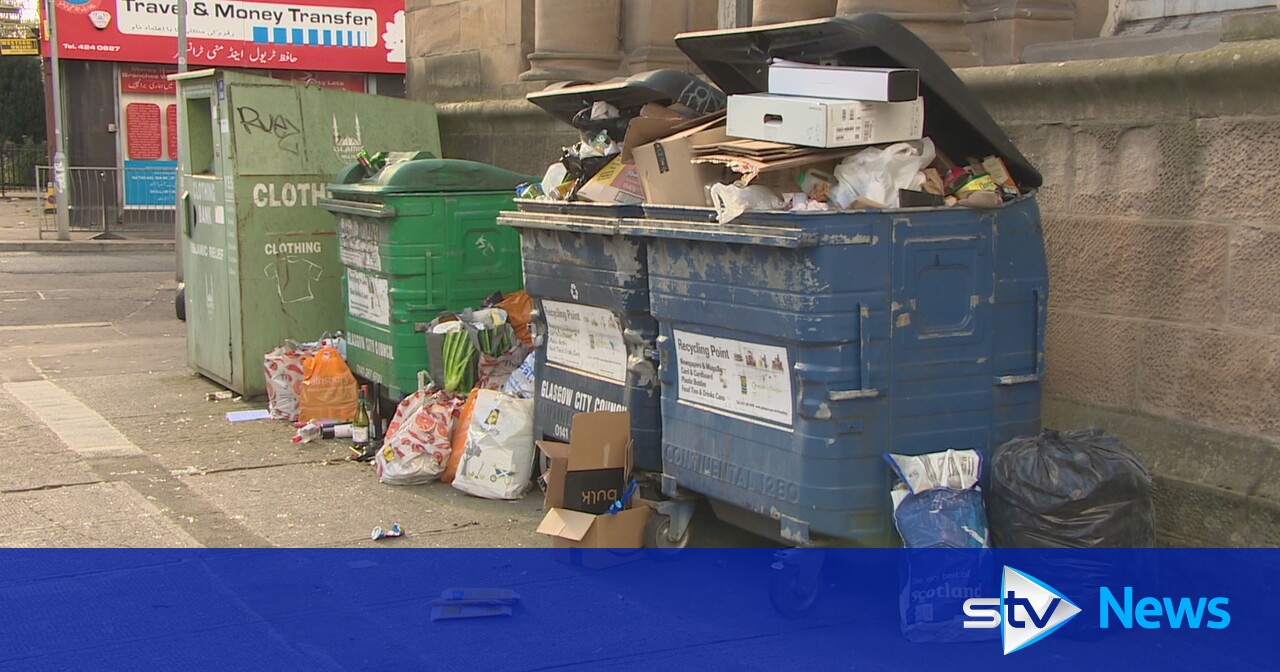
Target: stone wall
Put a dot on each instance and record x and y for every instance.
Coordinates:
(1161, 227)
(1160, 218)
(467, 49)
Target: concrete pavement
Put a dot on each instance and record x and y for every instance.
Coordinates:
(100, 331)
(21, 215)
(109, 440)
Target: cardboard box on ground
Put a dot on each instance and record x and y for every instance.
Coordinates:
(585, 477)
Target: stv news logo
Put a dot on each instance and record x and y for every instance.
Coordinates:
(1028, 610)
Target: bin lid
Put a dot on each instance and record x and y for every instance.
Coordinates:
(737, 61)
(436, 175)
(563, 100)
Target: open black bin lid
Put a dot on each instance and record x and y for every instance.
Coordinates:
(737, 61)
(665, 87)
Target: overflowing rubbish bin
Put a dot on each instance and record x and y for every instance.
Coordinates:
(416, 238)
(797, 348)
(589, 282)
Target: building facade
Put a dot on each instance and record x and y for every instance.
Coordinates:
(119, 108)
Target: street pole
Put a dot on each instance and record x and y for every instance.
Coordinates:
(182, 35)
(177, 208)
(63, 216)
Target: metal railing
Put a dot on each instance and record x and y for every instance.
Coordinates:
(115, 202)
(17, 167)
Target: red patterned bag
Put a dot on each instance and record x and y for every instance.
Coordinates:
(282, 367)
(417, 447)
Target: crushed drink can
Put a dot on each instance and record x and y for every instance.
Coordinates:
(379, 533)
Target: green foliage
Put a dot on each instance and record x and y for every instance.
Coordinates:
(21, 99)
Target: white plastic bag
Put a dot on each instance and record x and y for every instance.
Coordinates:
(877, 174)
(497, 462)
(520, 382)
(731, 201)
(955, 469)
(417, 446)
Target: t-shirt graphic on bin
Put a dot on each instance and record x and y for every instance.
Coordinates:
(589, 284)
(856, 237)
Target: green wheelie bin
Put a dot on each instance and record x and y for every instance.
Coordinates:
(417, 238)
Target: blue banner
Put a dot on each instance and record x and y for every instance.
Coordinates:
(150, 183)
(740, 609)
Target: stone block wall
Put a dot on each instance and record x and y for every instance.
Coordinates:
(1163, 238)
(467, 49)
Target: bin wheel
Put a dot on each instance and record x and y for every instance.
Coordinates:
(789, 594)
(543, 464)
(657, 537)
(180, 304)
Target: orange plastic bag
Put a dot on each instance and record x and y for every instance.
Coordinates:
(519, 307)
(459, 441)
(328, 389)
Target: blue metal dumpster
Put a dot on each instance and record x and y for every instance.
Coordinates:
(591, 319)
(797, 348)
(589, 283)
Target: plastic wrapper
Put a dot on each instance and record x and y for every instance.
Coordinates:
(731, 200)
(556, 181)
(520, 382)
(1073, 489)
(877, 174)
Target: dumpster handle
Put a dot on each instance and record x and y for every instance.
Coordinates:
(864, 391)
(1036, 376)
(748, 234)
(428, 267)
(526, 220)
(377, 210)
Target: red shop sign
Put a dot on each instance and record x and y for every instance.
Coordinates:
(147, 80)
(142, 127)
(362, 35)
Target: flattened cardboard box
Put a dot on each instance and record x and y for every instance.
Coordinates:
(617, 182)
(589, 473)
(667, 171)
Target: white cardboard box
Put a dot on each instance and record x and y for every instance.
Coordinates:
(827, 81)
(823, 122)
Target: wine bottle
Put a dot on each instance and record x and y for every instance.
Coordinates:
(360, 425)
